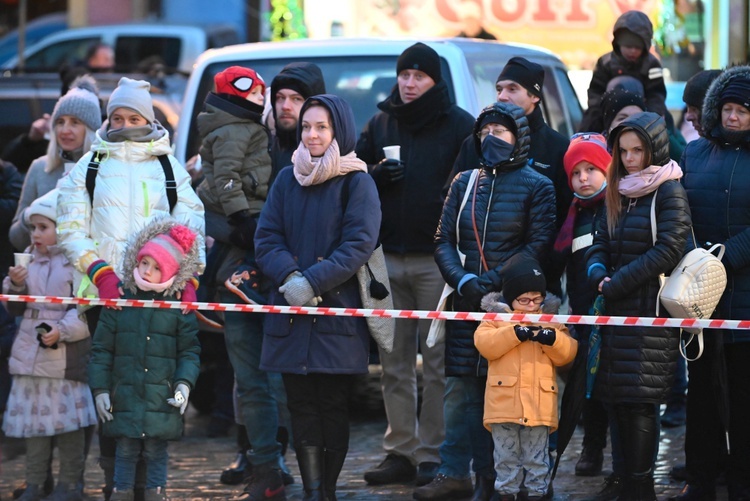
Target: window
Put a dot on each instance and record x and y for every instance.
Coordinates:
(139, 53)
(52, 57)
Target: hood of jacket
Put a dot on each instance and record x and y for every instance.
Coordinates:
(224, 109)
(523, 133)
(189, 266)
(638, 23)
(494, 302)
(651, 127)
(711, 114)
(342, 120)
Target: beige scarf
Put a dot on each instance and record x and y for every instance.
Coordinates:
(311, 171)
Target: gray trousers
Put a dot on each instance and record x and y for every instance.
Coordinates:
(70, 450)
(416, 284)
(519, 448)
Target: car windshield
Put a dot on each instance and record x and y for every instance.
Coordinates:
(363, 82)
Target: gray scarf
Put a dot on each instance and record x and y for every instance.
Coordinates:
(142, 134)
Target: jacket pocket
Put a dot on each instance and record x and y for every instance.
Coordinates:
(547, 398)
(343, 326)
(278, 325)
(503, 389)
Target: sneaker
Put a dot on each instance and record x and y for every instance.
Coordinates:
(245, 283)
(426, 471)
(394, 469)
(65, 492)
(613, 487)
(590, 463)
(265, 484)
(158, 494)
(445, 488)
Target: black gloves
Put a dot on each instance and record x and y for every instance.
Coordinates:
(243, 233)
(596, 275)
(541, 335)
(471, 295)
(389, 171)
(545, 336)
(523, 332)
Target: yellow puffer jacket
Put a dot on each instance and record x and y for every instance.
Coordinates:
(522, 379)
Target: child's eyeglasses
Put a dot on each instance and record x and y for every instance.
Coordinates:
(526, 300)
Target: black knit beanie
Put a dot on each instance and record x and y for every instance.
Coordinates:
(500, 119)
(522, 274)
(697, 86)
(525, 73)
(617, 99)
(736, 91)
(420, 57)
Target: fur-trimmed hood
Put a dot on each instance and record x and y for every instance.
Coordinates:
(189, 266)
(711, 114)
(494, 302)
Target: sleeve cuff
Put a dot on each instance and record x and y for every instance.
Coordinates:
(466, 278)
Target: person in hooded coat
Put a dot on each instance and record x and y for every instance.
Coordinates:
(637, 364)
(510, 210)
(319, 226)
(717, 182)
(630, 55)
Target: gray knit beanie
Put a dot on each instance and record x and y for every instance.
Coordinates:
(134, 95)
(82, 102)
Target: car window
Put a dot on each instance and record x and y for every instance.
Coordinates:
(52, 57)
(19, 113)
(566, 100)
(139, 53)
(363, 82)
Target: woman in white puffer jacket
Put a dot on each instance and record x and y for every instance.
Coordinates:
(130, 189)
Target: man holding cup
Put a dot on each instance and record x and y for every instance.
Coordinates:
(419, 121)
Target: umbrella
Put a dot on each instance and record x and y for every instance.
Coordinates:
(579, 384)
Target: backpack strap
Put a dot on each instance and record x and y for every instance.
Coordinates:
(169, 180)
(91, 172)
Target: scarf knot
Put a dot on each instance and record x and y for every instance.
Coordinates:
(649, 179)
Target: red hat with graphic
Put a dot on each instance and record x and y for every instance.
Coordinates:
(238, 81)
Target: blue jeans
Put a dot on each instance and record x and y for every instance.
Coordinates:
(129, 451)
(243, 334)
(466, 438)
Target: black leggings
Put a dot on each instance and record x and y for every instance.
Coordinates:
(319, 408)
(638, 432)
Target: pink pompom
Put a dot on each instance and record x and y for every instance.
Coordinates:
(184, 236)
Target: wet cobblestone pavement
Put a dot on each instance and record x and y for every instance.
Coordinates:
(196, 462)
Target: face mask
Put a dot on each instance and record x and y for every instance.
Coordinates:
(495, 151)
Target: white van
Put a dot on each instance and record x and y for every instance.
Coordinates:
(363, 71)
(176, 46)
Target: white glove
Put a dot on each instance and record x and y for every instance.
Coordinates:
(298, 291)
(180, 399)
(103, 407)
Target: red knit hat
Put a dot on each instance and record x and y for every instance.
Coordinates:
(238, 81)
(588, 147)
(169, 249)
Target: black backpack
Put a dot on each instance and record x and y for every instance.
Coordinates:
(171, 184)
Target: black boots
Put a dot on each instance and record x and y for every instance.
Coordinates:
(319, 469)
(310, 459)
(334, 461)
(484, 488)
(638, 488)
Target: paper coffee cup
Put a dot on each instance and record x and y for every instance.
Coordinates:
(392, 152)
(22, 259)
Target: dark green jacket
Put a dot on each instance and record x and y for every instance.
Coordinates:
(138, 356)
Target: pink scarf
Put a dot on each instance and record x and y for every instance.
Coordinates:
(649, 179)
(148, 286)
(311, 171)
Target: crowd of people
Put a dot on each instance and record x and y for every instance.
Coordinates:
(499, 212)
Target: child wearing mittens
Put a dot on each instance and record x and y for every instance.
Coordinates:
(49, 397)
(521, 397)
(145, 361)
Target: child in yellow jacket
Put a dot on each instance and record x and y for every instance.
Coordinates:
(520, 406)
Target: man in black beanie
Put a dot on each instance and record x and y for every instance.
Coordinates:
(418, 116)
(693, 95)
(289, 89)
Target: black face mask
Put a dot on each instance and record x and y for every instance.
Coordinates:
(495, 151)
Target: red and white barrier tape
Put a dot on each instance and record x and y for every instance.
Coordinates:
(406, 314)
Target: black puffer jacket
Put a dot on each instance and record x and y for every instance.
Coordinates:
(637, 364)
(514, 211)
(717, 182)
(647, 70)
(430, 131)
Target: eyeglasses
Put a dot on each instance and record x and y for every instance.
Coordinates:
(526, 300)
(497, 132)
